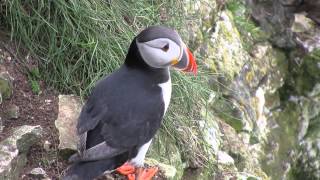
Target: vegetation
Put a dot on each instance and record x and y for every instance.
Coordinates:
(250, 32)
(34, 77)
(78, 42)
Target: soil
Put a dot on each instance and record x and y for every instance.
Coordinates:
(35, 109)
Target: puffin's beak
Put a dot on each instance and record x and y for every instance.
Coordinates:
(187, 62)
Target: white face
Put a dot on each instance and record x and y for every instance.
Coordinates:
(160, 53)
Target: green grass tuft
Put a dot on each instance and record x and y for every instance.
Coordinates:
(33, 78)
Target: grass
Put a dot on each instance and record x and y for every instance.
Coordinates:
(250, 32)
(78, 42)
(34, 77)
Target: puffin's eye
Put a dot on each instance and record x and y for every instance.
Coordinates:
(165, 48)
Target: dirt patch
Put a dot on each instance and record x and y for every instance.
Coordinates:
(34, 109)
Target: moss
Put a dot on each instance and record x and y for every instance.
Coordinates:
(169, 171)
(5, 87)
(164, 147)
(311, 113)
(312, 64)
(34, 77)
(250, 33)
(228, 111)
(302, 77)
(282, 140)
(225, 53)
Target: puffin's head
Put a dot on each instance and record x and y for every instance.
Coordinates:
(162, 47)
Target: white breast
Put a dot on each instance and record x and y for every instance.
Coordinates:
(166, 93)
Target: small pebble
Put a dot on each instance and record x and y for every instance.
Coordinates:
(13, 111)
(48, 101)
(38, 173)
(47, 145)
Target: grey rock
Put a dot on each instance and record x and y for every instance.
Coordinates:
(47, 146)
(69, 110)
(37, 173)
(244, 175)
(225, 158)
(311, 8)
(306, 31)
(289, 2)
(169, 171)
(279, 19)
(274, 18)
(5, 85)
(1, 125)
(12, 112)
(13, 150)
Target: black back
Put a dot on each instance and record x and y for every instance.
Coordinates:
(126, 108)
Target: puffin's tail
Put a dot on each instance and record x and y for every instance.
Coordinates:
(89, 170)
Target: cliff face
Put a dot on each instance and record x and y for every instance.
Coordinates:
(264, 60)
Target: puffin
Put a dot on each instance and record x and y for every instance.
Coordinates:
(126, 108)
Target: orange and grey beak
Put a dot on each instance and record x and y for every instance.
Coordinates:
(187, 62)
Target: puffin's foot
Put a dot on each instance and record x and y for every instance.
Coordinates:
(141, 173)
(126, 169)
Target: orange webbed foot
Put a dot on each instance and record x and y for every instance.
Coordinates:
(126, 169)
(137, 174)
(131, 177)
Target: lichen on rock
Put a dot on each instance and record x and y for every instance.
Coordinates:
(69, 110)
(13, 150)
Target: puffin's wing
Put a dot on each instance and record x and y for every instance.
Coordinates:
(135, 123)
(126, 109)
(97, 152)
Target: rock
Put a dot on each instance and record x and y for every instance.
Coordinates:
(293, 22)
(1, 125)
(245, 158)
(308, 163)
(302, 23)
(47, 146)
(69, 110)
(164, 150)
(13, 150)
(169, 171)
(37, 173)
(246, 176)
(12, 112)
(5, 85)
(311, 8)
(306, 31)
(225, 158)
(278, 25)
(226, 55)
(224, 51)
(288, 2)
